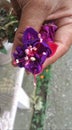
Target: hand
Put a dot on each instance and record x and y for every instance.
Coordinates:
(34, 13)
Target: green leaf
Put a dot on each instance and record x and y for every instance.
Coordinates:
(33, 126)
(40, 128)
(3, 50)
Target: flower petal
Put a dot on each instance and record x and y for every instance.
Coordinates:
(33, 67)
(47, 32)
(36, 49)
(43, 52)
(53, 47)
(41, 47)
(30, 36)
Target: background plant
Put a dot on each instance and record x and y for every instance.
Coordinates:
(8, 26)
(39, 106)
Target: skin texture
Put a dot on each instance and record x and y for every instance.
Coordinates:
(34, 13)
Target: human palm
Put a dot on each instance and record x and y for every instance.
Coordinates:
(34, 13)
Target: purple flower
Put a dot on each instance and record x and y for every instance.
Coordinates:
(30, 36)
(47, 32)
(35, 49)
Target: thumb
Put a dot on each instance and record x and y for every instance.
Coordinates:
(63, 38)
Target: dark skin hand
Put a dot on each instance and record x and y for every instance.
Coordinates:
(34, 13)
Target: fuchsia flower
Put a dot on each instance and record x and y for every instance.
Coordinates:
(36, 48)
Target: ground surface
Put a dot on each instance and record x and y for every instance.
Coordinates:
(59, 99)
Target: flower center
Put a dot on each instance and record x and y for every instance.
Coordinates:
(30, 51)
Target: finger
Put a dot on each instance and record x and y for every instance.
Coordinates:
(63, 38)
(31, 16)
(27, 72)
(17, 41)
(16, 8)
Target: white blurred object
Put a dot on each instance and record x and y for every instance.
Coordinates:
(19, 99)
(4, 121)
(8, 0)
(6, 58)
